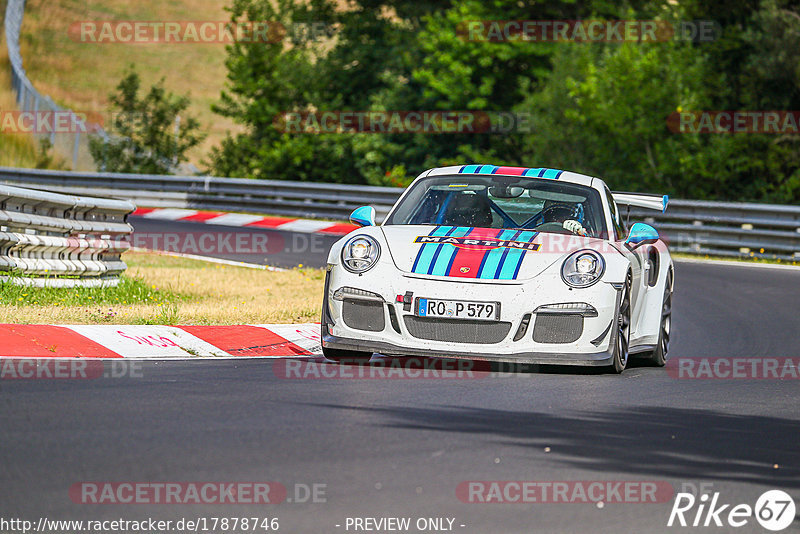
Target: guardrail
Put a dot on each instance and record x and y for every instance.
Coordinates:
(730, 229)
(696, 227)
(73, 145)
(56, 240)
(296, 199)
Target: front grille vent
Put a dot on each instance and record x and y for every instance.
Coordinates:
(457, 330)
(363, 315)
(557, 328)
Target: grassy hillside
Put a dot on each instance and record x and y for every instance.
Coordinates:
(82, 75)
(16, 150)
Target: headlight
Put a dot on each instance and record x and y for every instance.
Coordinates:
(360, 254)
(583, 268)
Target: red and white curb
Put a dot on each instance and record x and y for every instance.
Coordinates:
(220, 218)
(159, 342)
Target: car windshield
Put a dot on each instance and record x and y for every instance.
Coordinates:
(501, 202)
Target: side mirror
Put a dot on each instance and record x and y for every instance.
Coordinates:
(641, 234)
(363, 216)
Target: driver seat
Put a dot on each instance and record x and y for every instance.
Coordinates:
(466, 209)
(557, 212)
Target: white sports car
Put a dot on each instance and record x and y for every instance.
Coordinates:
(510, 264)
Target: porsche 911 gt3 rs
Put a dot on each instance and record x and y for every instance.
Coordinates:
(512, 264)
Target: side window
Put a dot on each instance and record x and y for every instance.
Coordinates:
(619, 227)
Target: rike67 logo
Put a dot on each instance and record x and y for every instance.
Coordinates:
(774, 510)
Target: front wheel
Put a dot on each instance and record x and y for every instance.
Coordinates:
(346, 356)
(623, 324)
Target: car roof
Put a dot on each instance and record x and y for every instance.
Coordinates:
(528, 172)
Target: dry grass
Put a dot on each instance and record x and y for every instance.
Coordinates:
(16, 150)
(207, 294)
(82, 75)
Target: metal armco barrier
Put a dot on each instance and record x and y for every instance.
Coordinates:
(696, 227)
(296, 199)
(731, 229)
(56, 240)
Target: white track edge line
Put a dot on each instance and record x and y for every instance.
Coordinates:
(209, 259)
(738, 263)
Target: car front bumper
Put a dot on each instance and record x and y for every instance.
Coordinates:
(593, 347)
(552, 358)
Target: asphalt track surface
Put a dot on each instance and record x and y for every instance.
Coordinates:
(400, 448)
(281, 249)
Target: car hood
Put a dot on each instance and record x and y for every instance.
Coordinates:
(480, 254)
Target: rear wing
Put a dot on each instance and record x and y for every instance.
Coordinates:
(638, 200)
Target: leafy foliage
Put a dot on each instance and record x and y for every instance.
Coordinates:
(598, 108)
(149, 134)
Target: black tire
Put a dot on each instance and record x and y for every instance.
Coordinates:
(346, 356)
(659, 356)
(623, 325)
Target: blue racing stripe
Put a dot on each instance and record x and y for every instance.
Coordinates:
(514, 258)
(540, 172)
(427, 250)
(536, 172)
(503, 258)
(440, 265)
(553, 174)
(437, 251)
(492, 259)
(486, 255)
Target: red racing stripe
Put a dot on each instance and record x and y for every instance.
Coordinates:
(467, 260)
(47, 341)
(510, 171)
(245, 340)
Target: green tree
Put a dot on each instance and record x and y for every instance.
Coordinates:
(395, 56)
(596, 108)
(363, 58)
(603, 110)
(148, 133)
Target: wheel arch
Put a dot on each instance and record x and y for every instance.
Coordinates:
(617, 269)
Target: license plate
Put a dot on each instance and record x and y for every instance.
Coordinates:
(457, 309)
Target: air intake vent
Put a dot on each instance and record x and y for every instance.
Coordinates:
(557, 328)
(363, 315)
(457, 331)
